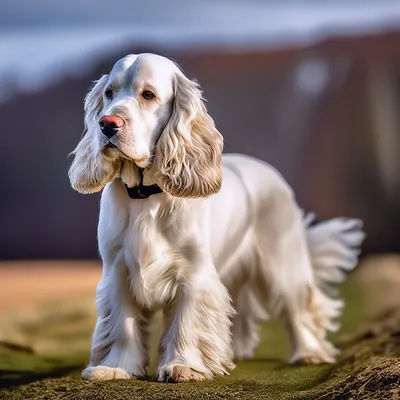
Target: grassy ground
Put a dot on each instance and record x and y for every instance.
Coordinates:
(43, 348)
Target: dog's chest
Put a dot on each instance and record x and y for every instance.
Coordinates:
(154, 263)
(153, 242)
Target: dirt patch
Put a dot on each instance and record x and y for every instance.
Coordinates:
(47, 306)
(25, 284)
(370, 365)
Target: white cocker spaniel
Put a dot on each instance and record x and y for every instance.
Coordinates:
(217, 243)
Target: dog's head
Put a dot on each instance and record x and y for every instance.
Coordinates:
(147, 114)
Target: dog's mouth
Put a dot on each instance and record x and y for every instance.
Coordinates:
(140, 162)
(108, 145)
(112, 148)
(116, 149)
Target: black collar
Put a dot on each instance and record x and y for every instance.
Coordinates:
(142, 192)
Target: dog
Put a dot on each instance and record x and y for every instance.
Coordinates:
(218, 243)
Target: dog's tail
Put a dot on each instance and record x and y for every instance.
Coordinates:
(334, 247)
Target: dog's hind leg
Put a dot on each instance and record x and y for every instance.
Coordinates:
(246, 324)
(240, 276)
(287, 271)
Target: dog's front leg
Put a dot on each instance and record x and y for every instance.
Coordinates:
(119, 347)
(196, 344)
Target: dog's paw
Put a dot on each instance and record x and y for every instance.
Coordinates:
(325, 354)
(178, 373)
(313, 357)
(103, 373)
(243, 354)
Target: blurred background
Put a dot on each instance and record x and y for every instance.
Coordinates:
(312, 87)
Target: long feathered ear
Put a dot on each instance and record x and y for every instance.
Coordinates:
(187, 161)
(94, 102)
(92, 168)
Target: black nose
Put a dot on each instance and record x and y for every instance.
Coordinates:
(109, 125)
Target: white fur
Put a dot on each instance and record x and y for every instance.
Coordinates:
(193, 253)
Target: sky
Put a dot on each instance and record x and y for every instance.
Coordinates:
(43, 40)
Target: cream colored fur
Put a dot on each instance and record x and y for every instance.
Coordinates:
(222, 249)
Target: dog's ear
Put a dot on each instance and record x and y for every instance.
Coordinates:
(94, 103)
(92, 168)
(187, 162)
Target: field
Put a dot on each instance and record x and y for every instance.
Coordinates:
(47, 316)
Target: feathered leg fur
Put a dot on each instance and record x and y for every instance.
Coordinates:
(197, 343)
(120, 339)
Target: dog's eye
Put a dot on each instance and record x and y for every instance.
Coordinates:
(109, 94)
(148, 95)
